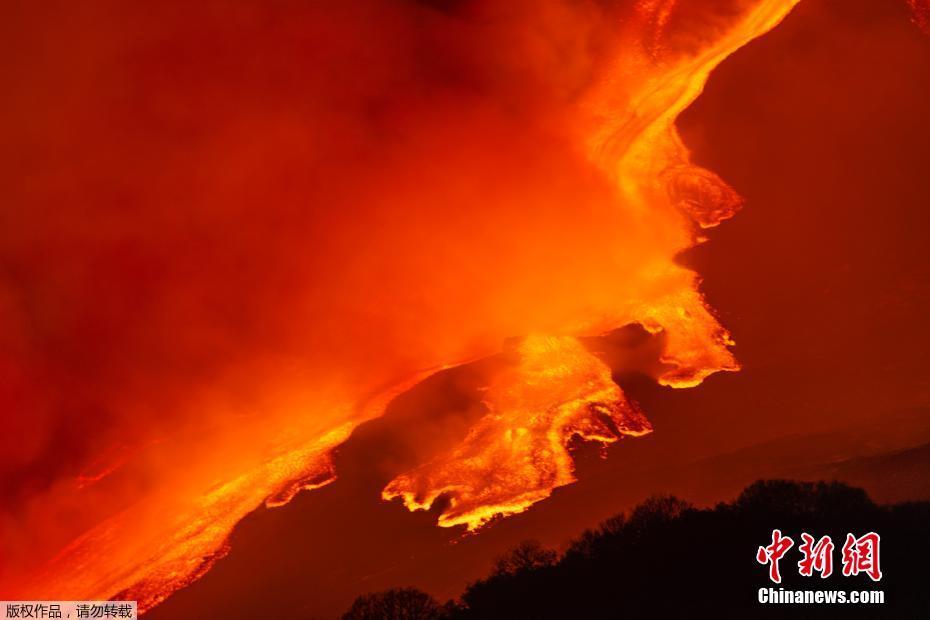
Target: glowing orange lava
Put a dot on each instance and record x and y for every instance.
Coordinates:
(238, 233)
(519, 451)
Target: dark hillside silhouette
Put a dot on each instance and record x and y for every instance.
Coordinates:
(667, 559)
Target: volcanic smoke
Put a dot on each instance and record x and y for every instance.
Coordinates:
(235, 231)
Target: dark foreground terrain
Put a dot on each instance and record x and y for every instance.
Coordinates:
(667, 559)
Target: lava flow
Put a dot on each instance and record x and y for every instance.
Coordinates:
(517, 453)
(234, 233)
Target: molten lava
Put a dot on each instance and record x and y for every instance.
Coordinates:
(519, 452)
(234, 234)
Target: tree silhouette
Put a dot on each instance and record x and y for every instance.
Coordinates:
(528, 555)
(670, 559)
(395, 604)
